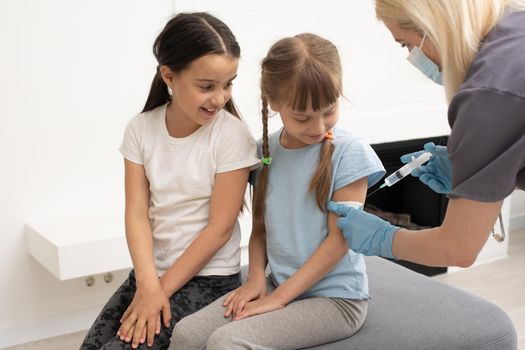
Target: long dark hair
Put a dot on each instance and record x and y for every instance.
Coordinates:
(185, 38)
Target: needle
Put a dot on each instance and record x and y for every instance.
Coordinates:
(374, 191)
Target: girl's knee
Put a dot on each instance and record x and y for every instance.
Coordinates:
(223, 339)
(185, 337)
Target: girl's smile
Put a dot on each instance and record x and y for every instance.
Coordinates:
(199, 92)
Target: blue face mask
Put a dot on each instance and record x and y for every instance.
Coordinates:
(425, 64)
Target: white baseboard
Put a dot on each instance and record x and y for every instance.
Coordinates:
(517, 222)
(54, 326)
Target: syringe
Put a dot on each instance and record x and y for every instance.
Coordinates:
(405, 170)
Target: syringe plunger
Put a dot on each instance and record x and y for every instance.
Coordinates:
(407, 169)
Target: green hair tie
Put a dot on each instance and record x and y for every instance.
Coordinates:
(266, 160)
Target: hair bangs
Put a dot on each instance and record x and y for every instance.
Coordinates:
(315, 87)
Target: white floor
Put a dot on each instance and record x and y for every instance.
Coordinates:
(501, 282)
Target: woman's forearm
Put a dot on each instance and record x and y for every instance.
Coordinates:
(457, 242)
(429, 247)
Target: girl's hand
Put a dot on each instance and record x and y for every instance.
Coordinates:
(253, 289)
(141, 320)
(260, 306)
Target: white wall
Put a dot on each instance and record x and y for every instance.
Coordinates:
(74, 72)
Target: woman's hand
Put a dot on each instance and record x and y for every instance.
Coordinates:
(365, 233)
(263, 305)
(437, 173)
(253, 289)
(141, 321)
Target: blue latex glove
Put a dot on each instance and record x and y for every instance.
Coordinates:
(437, 172)
(365, 233)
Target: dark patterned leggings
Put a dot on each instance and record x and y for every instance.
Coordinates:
(193, 296)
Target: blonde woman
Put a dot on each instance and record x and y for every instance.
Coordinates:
(475, 49)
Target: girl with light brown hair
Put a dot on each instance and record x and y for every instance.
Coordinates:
(317, 290)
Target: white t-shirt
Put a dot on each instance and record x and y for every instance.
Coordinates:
(181, 174)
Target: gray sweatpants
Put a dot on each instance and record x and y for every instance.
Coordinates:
(302, 323)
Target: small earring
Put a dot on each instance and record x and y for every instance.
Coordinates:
(170, 91)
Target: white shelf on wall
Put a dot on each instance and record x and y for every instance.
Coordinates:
(71, 247)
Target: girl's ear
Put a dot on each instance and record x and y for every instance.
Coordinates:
(167, 75)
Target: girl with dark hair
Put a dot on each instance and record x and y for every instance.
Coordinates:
(187, 160)
(317, 291)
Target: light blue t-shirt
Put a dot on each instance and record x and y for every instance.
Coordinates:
(295, 226)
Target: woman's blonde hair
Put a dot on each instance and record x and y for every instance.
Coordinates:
(455, 27)
(299, 71)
